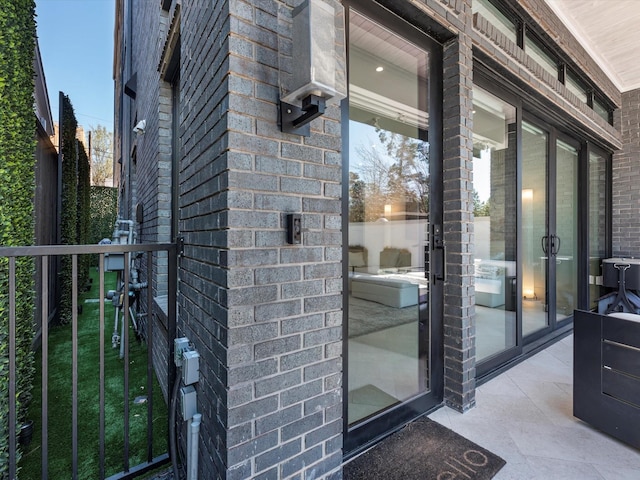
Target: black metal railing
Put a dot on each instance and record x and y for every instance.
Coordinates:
(42, 254)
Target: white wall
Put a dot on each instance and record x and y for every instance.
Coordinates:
(409, 234)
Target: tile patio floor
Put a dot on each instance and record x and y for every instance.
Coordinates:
(525, 416)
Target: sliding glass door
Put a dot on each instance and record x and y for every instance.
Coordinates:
(534, 232)
(549, 230)
(393, 230)
(495, 220)
(563, 242)
(598, 220)
(526, 268)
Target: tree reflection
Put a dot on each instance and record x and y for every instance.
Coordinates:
(393, 172)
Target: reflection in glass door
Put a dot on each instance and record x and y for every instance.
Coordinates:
(598, 208)
(534, 229)
(563, 244)
(549, 230)
(389, 327)
(495, 192)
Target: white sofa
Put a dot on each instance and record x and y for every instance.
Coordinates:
(490, 278)
(489, 292)
(393, 292)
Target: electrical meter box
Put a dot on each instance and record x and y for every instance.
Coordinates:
(190, 367)
(114, 262)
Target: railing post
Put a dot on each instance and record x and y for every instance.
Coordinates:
(149, 332)
(12, 368)
(45, 386)
(74, 366)
(102, 392)
(125, 342)
(172, 289)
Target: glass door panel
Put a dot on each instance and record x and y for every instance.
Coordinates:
(597, 224)
(388, 224)
(495, 191)
(534, 229)
(563, 245)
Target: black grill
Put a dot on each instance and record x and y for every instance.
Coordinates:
(622, 274)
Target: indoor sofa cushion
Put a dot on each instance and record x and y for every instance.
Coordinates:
(388, 291)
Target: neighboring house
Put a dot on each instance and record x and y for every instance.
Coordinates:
(47, 194)
(397, 300)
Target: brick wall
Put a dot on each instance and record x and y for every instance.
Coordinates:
(148, 182)
(459, 324)
(626, 178)
(265, 316)
(202, 314)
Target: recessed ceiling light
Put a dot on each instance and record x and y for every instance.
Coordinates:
(379, 69)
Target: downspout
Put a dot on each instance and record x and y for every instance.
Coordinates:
(192, 447)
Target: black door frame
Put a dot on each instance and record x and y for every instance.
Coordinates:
(358, 437)
(553, 136)
(483, 79)
(492, 82)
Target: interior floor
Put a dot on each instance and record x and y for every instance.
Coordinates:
(383, 369)
(383, 363)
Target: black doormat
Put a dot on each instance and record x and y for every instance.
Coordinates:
(424, 450)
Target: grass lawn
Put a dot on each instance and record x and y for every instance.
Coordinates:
(60, 398)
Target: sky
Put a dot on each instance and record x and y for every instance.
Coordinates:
(76, 45)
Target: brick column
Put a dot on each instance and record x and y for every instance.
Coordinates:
(265, 315)
(626, 177)
(459, 310)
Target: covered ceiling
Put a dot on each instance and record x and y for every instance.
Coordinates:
(610, 31)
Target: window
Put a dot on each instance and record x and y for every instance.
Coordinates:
(601, 109)
(513, 26)
(496, 18)
(539, 54)
(576, 86)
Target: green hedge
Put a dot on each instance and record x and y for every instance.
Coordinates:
(17, 166)
(104, 211)
(76, 205)
(84, 212)
(69, 213)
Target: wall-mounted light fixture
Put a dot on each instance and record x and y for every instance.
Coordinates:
(528, 275)
(318, 68)
(140, 127)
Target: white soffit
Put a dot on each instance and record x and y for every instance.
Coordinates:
(609, 30)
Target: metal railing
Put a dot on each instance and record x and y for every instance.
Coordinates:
(153, 459)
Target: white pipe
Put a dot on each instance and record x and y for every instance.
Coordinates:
(192, 447)
(189, 447)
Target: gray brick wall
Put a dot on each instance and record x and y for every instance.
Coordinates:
(459, 326)
(626, 178)
(148, 177)
(264, 315)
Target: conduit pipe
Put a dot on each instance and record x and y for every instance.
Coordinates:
(192, 447)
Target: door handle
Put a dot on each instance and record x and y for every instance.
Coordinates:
(426, 261)
(438, 263)
(555, 248)
(545, 240)
(440, 272)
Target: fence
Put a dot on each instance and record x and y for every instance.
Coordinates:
(42, 255)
